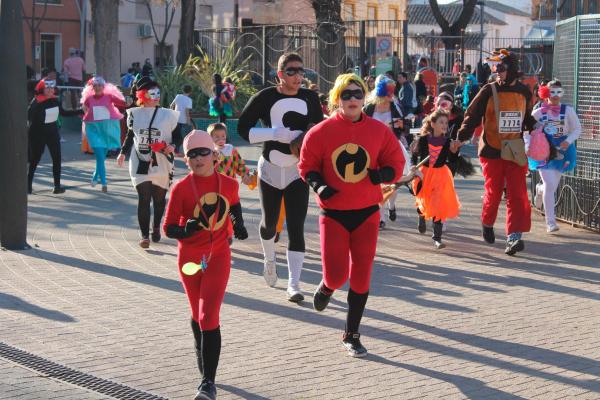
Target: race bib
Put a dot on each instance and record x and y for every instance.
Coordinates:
(510, 122)
(555, 128)
(145, 140)
(100, 113)
(51, 115)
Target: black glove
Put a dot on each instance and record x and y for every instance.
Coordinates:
(182, 232)
(326, 192)
(316, 182)
(382, 175)
(191, 226)
(239, 230)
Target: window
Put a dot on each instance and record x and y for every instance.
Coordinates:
(348, 11)
(204, 16)
(372, 14)
(50, 49)
(394, 15)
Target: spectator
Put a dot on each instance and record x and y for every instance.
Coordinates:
(74, 68)
(456, 68)
(421, 88)
(128, 78)
(183, 104)
(147, 68)
(407, 94)
(396, 64)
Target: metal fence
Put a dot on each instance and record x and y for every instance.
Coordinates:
(576, 54)
(330, 49)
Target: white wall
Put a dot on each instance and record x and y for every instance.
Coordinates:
(136, 49)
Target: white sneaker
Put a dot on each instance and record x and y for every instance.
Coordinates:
(270, 273)
(438, 245)
(294, 294)
(552, 228)
(538, 200)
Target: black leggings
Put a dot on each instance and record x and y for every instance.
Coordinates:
(148, 192)
(37, 144)
(296, 205)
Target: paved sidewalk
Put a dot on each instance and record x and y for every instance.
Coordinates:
(463, 322)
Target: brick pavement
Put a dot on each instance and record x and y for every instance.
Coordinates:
(464, 322)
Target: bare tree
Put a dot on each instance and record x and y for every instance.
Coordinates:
(33, 23)
(105, 24)
(170, 6)
(457, 26)
(330, 33)
(185, 46)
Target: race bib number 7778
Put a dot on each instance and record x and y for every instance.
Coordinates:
(510, 122)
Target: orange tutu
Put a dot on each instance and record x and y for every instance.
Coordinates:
(437, 197)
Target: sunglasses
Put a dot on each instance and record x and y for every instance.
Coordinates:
(198, 152)
(556, 92)
(293, 71)
(501, 68)
(348, 94)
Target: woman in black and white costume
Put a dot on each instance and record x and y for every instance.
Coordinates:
(286, 112)
(149, 133)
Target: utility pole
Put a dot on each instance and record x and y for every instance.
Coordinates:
(13, 129)
(481, 3)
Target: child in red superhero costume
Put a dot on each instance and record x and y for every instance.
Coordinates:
(197, 216)
(345, 159)
(504, 107)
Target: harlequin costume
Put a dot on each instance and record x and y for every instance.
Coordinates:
(501, 150)
(285, 118)
(345, 162)
(231, 163)
(436, 198)
(561, 124)
(197, 214)
(151, 169)
(102, 123)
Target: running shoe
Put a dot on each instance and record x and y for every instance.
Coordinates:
(552, 228)
(351, 342)
(321, 299)
(438, 244)
(206, 391)
(422, 226)
(392, 214)
(58, 190)
(514, 246)
(270, 273)
(294, 295)
(145, 243)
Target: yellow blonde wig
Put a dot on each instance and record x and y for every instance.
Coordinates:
(341, 83)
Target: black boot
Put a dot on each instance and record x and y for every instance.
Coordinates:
(321, 297)
(211, 350)
(197, 344)
(488, 234)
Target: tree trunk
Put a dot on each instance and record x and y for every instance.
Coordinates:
(105, 23)
(331, 43)
(13, 133)
(185, 46)
(455, 29)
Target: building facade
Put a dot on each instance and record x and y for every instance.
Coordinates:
(59, 29)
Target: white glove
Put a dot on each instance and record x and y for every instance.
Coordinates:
(284, 135)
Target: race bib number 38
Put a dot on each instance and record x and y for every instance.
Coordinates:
(510, 122)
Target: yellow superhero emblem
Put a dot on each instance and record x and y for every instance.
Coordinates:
(350, 162)
(209, 205)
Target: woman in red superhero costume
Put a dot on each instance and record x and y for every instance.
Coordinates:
(197, 216)
(345, 159)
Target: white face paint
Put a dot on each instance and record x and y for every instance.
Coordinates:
(154, 94)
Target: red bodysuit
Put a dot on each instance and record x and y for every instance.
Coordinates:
(206, 289)
(342, 152)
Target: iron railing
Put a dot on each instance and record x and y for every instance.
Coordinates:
(330, 49)
(576, 54)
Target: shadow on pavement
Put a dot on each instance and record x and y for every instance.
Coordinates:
(10, 302)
